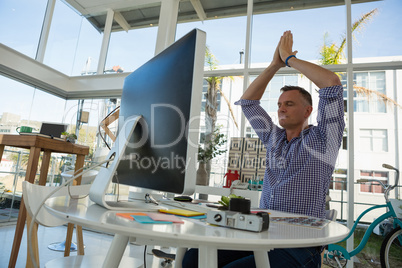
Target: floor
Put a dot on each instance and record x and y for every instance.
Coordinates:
(95, 244)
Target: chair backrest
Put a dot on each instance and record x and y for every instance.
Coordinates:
(331, 214)
(34, 195)
(86, 178)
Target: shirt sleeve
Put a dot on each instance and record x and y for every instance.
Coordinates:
(330, 117)
(258, 118)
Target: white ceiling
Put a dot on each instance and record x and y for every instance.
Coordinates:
(145, 13)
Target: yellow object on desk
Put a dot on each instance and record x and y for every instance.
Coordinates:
(182, 212)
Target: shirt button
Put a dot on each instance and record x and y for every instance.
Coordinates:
(272, 196)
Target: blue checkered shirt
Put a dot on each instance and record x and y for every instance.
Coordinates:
(298, 172)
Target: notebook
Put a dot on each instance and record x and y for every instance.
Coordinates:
(49, 130)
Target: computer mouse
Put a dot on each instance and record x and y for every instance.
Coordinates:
(183, 198)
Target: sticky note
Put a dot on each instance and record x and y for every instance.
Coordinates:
(182, 212)
(147, 219)
(164, 217)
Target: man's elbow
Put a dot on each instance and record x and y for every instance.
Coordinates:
(335, 81)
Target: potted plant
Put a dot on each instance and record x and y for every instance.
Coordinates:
(212, 149)
(70, 137)
(64, 135)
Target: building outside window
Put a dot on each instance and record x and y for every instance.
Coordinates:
(339, 179)
(371, 81)
(373, 140)
(373, 187)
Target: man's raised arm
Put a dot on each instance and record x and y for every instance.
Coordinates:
(317, 74)
(257, 88)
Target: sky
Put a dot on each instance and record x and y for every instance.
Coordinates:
(72, 41)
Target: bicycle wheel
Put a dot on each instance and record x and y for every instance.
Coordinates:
(391, 249)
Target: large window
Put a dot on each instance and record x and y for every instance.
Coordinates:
(21, 24)
(309, 27)
(205, 87)
(129, 50)
(372, 40)
(225, 37)
(269, 100)
(74, 44)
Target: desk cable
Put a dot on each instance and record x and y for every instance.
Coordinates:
(35, 215)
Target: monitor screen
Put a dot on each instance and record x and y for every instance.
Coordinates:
(160, 152)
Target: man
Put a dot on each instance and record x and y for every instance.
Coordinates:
(300, 157)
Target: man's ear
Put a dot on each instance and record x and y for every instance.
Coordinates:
(309, 110)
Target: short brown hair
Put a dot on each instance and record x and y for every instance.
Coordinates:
(305, 94)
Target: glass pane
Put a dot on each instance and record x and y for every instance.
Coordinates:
(269, 100)
(21, 24)
(267, 29)
(372, 40)
(226, 117)
(47, 108)
(225, 37)
(16, 107)
(68, 32)
(87, 52)
(129, 50)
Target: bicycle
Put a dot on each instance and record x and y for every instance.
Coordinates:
(391, 247)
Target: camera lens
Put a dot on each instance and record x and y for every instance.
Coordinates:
(218, 217)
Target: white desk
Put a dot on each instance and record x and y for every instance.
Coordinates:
(191, 234)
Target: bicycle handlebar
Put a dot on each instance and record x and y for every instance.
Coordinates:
(370, 180)
(388, 166)
(387, 188)
(390, 188)
(362, 180)
(397, 173)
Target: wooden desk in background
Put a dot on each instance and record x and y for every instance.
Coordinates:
(37, 144)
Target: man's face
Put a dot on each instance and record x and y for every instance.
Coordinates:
(293, 110)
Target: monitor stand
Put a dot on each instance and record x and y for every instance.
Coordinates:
(105, 176)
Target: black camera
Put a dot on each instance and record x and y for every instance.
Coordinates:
(239, 217)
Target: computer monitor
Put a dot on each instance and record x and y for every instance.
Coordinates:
(157, 142)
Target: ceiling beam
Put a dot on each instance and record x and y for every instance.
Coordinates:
(22, 68)
(91, 8)
(121, 21)
(199, 9)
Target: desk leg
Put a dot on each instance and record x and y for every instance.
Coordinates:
(179, 257)
(44, 167)
(261, 259)
(69, 237)
(19, 229)
(1, 151)
(80, 240)
(208, 257)
(79, 163)
(116, 251)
